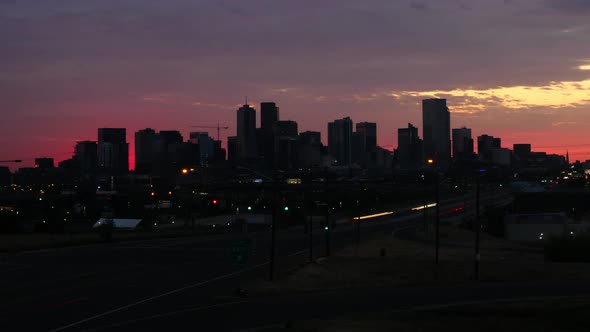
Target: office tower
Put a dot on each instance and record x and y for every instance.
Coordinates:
(232, 148)
(285, 138)
(409, 148)
(340, 140)
(86, 155)
(44, 163)
(485, 145)
(309, 149)
(311, 138)
(269, 114)
(206, 146)
(364, 141)
(522, 153)
(436, 131)
(462, 144)
(145, 150)
(5, 176)
(246, 133)
(170, 136)
(368, 135)
(113, 150)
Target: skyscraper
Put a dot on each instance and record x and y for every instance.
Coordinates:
(462, 144)
(206, 146)
(113, 150)
(269, 114)
(145, 150)
(409, 148)
(340, 140)
(246, 133)
(485, 145)
(368, 135)
(285, 139)
(436, 131)
(86, 156)
(364, 141)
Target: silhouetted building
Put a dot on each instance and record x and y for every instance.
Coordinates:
(269, 115)
(462, 144)
(206, 146)
(113, 150)
(170, 136)
(501, 156)
(87, 157)
(436, 131)
(485, 145)
(309, 149)
(409, 148)
(173, 154)
(44, 163)
(521, 154)
(246, 133)
(5, 176)
(368, 135)
(340, 140)
(145, 150)
(285, 136)
(232, 149)
(218, 152)
(364, 141)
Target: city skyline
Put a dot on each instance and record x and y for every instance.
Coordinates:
(70, 68)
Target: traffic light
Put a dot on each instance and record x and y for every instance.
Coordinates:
(214, 202)
(286, 208)
(249, 208)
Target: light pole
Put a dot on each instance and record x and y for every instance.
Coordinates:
(437, 233)
(477, 228)
(273, 232)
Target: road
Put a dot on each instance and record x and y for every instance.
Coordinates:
(100, 285)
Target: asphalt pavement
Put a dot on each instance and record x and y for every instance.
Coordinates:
(182, 283)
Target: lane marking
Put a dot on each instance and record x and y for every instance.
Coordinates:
(178, 290)
(167, 314)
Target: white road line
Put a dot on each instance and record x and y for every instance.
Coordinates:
(166, 314)
(178, 290)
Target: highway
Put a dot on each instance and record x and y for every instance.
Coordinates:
(103, 285)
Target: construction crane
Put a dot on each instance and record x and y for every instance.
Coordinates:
(218, 127)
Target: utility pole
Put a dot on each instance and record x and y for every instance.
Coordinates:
(358, 220)
(310, 226)
(477, 228)
(273, 233)
(424, 209)
(437, 234)
(327, 228)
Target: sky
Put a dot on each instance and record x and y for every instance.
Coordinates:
(515, 69)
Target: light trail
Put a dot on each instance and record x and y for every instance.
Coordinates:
(376, 215)
(422, 207)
